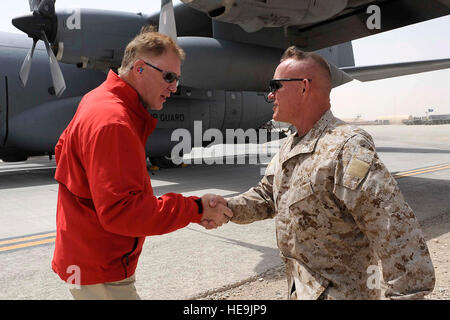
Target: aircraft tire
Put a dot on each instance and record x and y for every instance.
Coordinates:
(14, 158)
(163, 162)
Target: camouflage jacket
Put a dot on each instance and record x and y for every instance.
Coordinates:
(338, 212)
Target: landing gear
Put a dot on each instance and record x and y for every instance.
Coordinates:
(163, 162)
(14, 156)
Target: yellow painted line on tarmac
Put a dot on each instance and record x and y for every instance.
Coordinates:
(27, 244)
(421, 171)
(40, 236)
(426, 168)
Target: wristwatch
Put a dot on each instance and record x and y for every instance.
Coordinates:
(200, 205)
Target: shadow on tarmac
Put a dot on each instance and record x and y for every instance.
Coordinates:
(27, 178)
(428, 198)
(268, 253)
(237, 178)
(425, 194)
(411, 150)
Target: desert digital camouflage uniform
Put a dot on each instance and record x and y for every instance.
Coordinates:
(338, 211)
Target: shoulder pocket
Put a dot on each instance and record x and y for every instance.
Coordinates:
(358, 168)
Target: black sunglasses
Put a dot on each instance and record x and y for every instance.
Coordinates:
(276, 84)
(168, 76)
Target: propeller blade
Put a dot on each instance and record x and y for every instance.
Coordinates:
(45, 7)
(26, 65)
(34, 4)
(58, 79)
(167, 24)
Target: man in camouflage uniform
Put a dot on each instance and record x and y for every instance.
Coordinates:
(337, 209)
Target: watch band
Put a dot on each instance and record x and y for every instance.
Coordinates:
(200, 205)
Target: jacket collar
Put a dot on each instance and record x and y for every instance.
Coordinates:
(131, 99)
(308, 142)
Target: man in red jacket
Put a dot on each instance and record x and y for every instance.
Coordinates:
(106, 206)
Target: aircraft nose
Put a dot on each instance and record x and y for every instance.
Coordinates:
(34, 23)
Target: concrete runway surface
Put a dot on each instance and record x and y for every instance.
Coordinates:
(191, 261)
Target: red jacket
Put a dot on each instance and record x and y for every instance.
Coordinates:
(106, 206)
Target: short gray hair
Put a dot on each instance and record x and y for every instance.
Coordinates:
(294, 52)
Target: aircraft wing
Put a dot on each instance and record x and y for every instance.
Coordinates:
(377, 72)
(311, 24)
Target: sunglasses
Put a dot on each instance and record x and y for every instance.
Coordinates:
(168, 76)
(276, 84)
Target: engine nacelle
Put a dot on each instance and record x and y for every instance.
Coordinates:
(219, 64)
(95, 39)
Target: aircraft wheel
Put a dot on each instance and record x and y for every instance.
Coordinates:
(14, 158)
(163, 162)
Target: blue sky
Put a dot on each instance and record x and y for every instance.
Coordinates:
(396, 96)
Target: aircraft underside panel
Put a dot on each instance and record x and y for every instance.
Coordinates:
(350, 24)
(253, 15)
(233, 109)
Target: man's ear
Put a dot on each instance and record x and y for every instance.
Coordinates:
(138, 66)
(305, 83)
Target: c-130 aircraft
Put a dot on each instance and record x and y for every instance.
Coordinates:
(232, 49)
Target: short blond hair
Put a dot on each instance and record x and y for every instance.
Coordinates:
(148, 42)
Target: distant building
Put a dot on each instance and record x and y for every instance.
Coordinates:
(397, 119)
(359, 122)
(439, 117)
(430, 119)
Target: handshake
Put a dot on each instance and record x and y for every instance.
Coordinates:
(215, 211)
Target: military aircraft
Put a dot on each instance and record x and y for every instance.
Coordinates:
(232, 48)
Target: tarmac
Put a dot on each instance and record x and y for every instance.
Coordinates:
(192, 261)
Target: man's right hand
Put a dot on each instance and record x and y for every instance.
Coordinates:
(216, 216)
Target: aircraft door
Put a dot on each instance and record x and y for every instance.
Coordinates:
(233, 110)
(3, 109)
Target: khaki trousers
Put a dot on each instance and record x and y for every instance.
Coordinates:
(119, 290)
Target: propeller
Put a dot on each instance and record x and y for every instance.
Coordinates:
(45, 7)
(167, 24)
(41, 25)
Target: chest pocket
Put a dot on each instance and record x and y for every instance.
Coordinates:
(298, 193)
